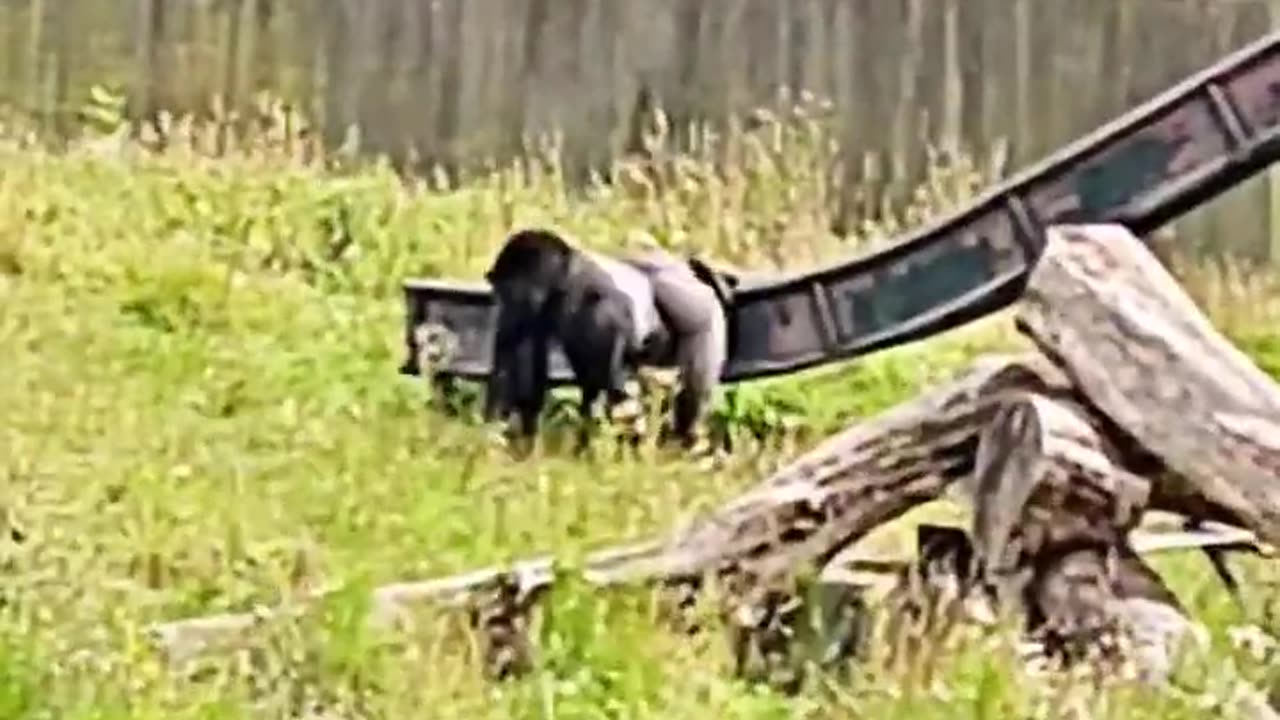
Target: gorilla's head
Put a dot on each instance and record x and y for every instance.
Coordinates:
(530, 268)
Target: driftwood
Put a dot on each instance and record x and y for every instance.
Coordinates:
(876, 468)
(1053, 508)
(800, 516)
(1045, 476)
(863, 477)
(494, 597)
(1136, 346)
(1059, 483)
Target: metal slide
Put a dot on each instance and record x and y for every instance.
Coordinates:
(1147, 167)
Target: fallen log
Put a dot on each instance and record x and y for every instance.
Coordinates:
(1136, 346)
(182, 641)
(508, 588)
(1104, 605)
(800, 516)
(1153, 539)
(863, 477)
(851, 567)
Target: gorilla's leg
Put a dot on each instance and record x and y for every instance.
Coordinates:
(519, 377)
(600, 368)
(498, 395)
(598, 343)
(695, 316)
(533, 381)
(700, 357)
(586, 417)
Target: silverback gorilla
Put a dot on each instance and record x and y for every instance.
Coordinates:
(610, 317)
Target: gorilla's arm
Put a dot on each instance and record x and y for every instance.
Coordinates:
(700, 357)
(498, 392)
(519, 378)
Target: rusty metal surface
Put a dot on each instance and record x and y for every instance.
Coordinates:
(1180, 149)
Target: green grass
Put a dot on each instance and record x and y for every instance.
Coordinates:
(199, 411)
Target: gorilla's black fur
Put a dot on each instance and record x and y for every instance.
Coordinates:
(610, 317)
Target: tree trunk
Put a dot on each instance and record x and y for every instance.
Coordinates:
(1144, 355)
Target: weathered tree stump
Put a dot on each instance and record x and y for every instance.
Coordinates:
(1060, 483)
(1044, 476)
(1052, 509)
(1135, 345)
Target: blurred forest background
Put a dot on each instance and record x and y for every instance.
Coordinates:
(456, 82)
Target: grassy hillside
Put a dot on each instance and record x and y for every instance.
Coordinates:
(199, 411)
